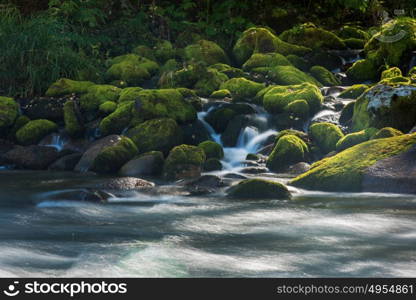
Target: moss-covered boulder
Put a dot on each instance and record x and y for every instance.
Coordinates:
(242, 89)
(298, 109)
(9, 110)
(363, 70)
(212, 164)
(289, 150)
(107, 108)
(66, 86)
(355, 138)
(220, 118)
(391, 73)
(156, 135)
(72, 119)
(344, 171)
(231, 72)
(132, 69)
(262, 40)
(110, 159)
(129, 94)
(19, 123)
(209, 81)
(164, 103)
(278, 97)
(353, 43)
(184, 161)
(298, 62)
(325, 136)
(221, 94)
(212, 149)
(147, 164)
(259, 189)
(347, 32)
(118, 120)
(289, 75)
(324, 76)
(300, 134)
(353, 92)
(97, 95)
(308, 35)
(386, 132)
(386, 106)
(34, 131)
(206, 51)
(164, 51)
(258, 60)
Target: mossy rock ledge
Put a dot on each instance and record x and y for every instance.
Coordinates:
(259, 189)
(184, 161)
(344, 171)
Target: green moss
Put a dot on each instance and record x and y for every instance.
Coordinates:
(118, 120)
(348, 32)
(209, 81)
(412, 72)
(289, 75)
(164, 103)
(396, 81)
(181, 159)
(231, 72)
(98, 94)
(308, 35)
(265, 60)
(221, 94)
(156, 135)
(219, 118)
(278, 97)
(354, 138)
(107, 107)
(144, 51)
(362, 70)
(386, 106)
(391, 73)
(212, 164)
(259, 189)
(300, 134)
(73, 125)
(206, 51)
(164, 51)
(212, 149)
(343, 172)
(354, 43)
(242, 89)
(386, 132)
(112, 158)
(66, 86)
(34, 131)
(325, 136)
(132, 69)
(288, 150)
(298, 109)
(129, 94)
(9, 110)
(261, 40)
(298, 62)
(324, 76)
(353, 92)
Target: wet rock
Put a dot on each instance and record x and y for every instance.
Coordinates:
(254, 170)
(395, 174)
(252, 156)
(266, 150)
(206, 184)
(259, 189)
(32, 157)
(299, 168)
(66, 163)
(234, 176)
(45, 108)
(212, 164)
(150, 164)
(195, 133)
(125, 184)
(89, 195)
(230, 136)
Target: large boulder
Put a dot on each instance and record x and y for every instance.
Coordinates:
(259, 189)
(31, 157)
(156, 135)
(132, 69)
(355, 138)
(325, 136)
(386, 106)
(184, 161)
(212, 149)
(262, 40)
(73, 120)
(107, 155)
(324, 76)
(66, 163)
(117, 121)
(147, 164)
(277, 98)
(33, 131)
(125, 184)
(242, 89)
(45, 108)
(97, 95)
(164, 103)
(289, 75)
(353, 92)
(9, 110)
(64, 86)
(289, 150)
(345, 170)
(265, 60)
(206, 51)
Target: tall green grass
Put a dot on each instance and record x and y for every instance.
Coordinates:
(35, 51)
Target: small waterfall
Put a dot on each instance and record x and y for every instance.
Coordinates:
(248, 134)
(56, 140)
(215, 136)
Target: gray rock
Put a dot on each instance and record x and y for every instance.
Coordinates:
(148, 164)
(31, 157)
(66, 163)
(206, 184)
(125, 184)
(299, 168)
